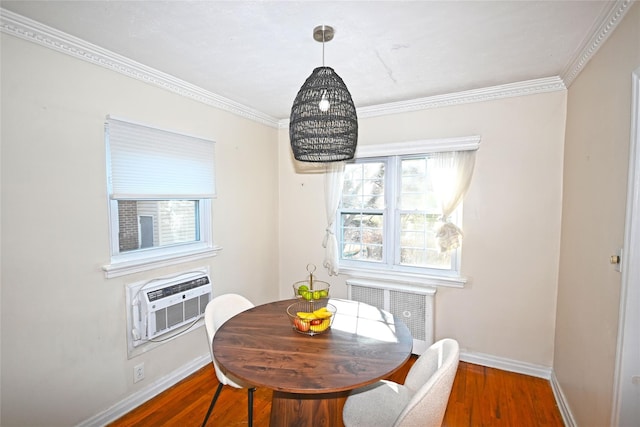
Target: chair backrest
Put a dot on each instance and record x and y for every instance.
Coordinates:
(219, 310)
(430, 379)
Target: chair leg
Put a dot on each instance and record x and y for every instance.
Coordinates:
(251, 390)
(213, 403)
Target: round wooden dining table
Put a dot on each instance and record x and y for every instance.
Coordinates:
(311, 376)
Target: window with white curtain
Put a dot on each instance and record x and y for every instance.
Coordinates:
(401, 207)
(160, 185)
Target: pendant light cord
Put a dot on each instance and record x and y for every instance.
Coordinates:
(323, 31)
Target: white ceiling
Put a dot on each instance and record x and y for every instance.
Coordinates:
(258, 53)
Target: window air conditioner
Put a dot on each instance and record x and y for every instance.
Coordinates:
(164, 305)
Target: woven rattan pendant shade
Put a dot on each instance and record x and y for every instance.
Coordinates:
(327, 134)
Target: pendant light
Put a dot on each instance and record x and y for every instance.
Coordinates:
(323, 126)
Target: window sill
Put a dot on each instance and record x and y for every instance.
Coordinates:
(413, 279)
(116, 269)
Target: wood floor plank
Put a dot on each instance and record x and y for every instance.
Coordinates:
(480, 396)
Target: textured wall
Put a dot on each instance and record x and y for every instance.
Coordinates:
(595, 186)
(64, 350)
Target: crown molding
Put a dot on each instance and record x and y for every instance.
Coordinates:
(609, 20)
(529, 87)
(28, 29)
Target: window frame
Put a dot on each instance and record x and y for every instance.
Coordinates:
(383, 212)
(143, 259)
(391, 212)
(148, 258)
(421, 276)
(456, 218)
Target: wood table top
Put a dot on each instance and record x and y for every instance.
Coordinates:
(363, 345)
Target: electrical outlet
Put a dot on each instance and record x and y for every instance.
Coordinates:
(138, 372)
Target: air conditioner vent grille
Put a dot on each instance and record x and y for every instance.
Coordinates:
(164, 305)
(157, 294)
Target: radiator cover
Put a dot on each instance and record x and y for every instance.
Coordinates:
(414, 305)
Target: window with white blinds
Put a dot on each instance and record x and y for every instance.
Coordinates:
(150, 163)
(160, 185)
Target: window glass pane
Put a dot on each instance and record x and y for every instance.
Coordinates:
(425, 258)
(157, 223)
(362, 236)
(363, 186)
(351, 201)
(416, 191)
(418, 244)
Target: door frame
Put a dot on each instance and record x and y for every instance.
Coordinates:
(627, 372)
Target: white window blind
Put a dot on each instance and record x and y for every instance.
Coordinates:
(155, 164)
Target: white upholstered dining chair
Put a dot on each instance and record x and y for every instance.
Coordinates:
(421, 401)
(219, 310)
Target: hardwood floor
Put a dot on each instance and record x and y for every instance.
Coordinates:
(484, 396)
(480, 396)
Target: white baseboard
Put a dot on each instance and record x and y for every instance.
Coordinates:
(138, 398)
(561, 400)
(507, 364)
(525, 368)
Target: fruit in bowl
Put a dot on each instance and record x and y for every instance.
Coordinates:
(311, 318)
(316, 291)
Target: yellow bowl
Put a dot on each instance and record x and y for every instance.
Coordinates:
(311, 317)
(319, 290)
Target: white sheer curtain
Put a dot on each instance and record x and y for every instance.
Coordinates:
(333, 180)
(452, 175)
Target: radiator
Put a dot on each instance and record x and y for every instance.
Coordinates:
(414, 305)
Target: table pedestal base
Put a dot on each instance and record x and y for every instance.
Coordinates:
(307, 410)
